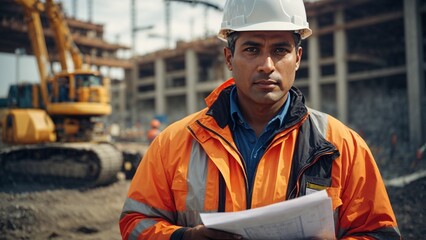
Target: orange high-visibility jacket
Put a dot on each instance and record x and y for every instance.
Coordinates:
(194, 166)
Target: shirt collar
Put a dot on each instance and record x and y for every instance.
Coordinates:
(237, 116)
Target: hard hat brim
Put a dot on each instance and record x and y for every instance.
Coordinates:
(267, 26)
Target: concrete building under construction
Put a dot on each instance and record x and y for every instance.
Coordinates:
(364, 64)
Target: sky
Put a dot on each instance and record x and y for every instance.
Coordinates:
(187, 22)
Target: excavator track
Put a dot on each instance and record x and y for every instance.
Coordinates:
(88, 164)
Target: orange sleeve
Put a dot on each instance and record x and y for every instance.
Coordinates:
(149, 208)
(366, 209)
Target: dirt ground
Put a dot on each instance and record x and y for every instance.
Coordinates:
(45, 213)
(34, 211)
(409, 206)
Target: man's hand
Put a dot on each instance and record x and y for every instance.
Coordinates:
(201, 232)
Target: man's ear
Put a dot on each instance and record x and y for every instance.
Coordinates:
(228, 57)
(299, 53)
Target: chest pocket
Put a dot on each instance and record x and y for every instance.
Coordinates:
(318, 176)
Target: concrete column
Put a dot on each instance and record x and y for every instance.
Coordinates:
(133, 91)
(108, 72)
(160, 82)
(314, 67)
(191, 62)
(128, 79)
(122, 104)
(341, 67)
(414, 65)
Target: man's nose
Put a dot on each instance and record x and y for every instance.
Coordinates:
(266, 65)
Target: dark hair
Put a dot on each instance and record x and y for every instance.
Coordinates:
(233, 36)
(231, 39)
(297, 39)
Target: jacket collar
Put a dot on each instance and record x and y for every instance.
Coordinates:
(218, 103)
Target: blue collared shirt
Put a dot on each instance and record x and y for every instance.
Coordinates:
(251, 147)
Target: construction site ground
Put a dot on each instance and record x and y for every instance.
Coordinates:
(45, 211)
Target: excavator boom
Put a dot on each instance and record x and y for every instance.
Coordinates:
(32, 10)
(69, 54)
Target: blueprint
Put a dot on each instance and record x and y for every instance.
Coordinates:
(305, 217)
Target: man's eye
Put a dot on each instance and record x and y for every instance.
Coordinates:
(251, 50)
(281, 51)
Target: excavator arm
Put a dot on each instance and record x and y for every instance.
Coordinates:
(32, 9)
(69, 54)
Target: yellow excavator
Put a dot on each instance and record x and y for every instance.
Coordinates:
(51, 128)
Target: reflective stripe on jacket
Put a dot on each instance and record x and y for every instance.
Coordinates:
(194, 166)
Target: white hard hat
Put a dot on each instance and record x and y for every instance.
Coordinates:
(264, 15)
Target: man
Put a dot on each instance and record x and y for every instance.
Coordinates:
(154, 130)
(256, 143)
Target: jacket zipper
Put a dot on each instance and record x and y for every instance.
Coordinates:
(267, 148)
(297, 187)
(248, 200)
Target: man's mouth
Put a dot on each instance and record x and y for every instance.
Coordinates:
(266, 84)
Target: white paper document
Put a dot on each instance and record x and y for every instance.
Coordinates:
(300, 218)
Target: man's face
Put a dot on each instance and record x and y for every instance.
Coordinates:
(264, 65)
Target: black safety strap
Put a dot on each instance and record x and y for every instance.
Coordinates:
(222, 194)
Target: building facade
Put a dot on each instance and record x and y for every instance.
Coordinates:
(170, 84)
(364, 64)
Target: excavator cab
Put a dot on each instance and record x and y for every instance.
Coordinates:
(80, 87)
(91, 88)
(82, 93)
